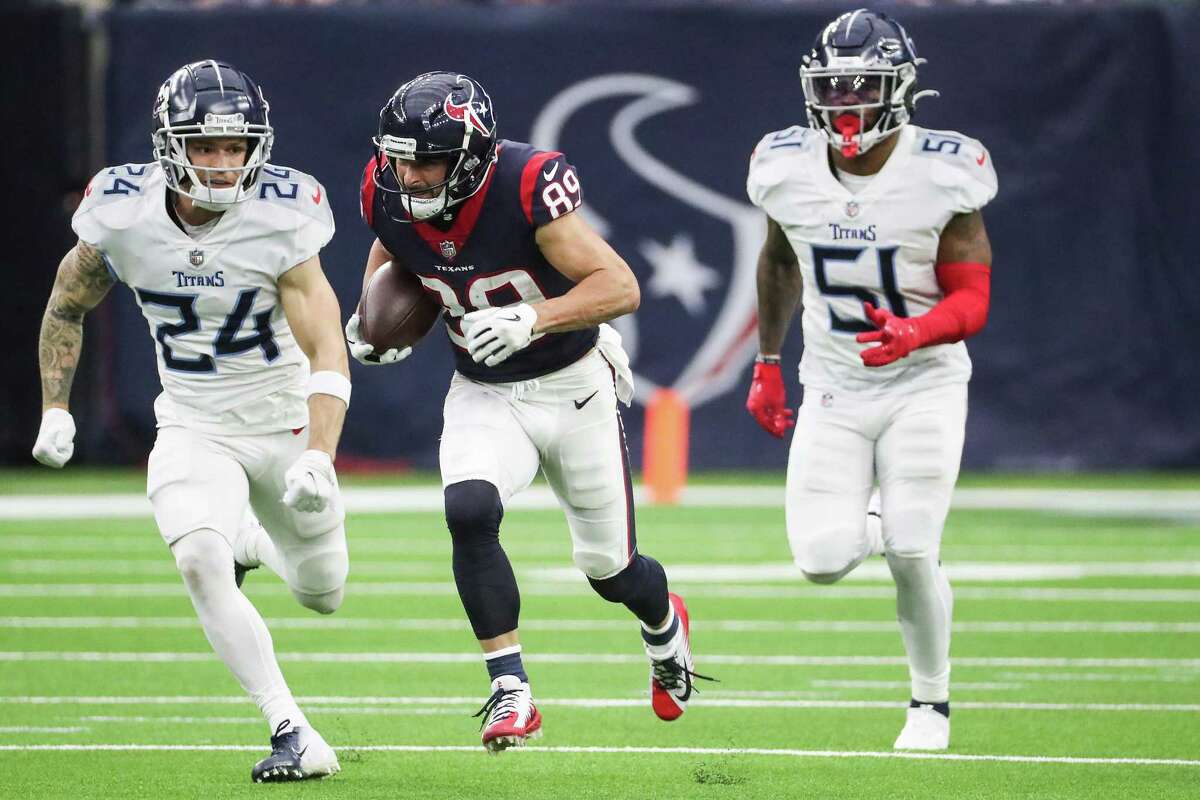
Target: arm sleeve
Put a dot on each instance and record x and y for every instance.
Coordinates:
(963, 311)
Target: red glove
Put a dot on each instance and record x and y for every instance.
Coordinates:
(897, 337)
(962, 313)
(767, 402)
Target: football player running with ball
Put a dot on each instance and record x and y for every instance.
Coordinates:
(220, 250)
(488, 227)
(876, 223)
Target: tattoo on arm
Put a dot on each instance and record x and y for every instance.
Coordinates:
(779, 288)
(81, 283)
(965, 239)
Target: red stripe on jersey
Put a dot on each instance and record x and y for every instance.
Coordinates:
(529, 180)
(464, 223)
(367, 195)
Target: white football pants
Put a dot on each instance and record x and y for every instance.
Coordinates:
(566, 423)
(911, 444)
(199, 481)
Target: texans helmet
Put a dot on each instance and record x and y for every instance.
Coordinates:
(211, 99)
(860, 80)
(438, 115)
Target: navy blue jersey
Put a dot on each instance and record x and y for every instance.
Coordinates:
(489, 257)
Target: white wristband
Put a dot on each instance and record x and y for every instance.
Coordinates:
(331, 383)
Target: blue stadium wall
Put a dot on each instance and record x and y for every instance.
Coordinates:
(1091, 115)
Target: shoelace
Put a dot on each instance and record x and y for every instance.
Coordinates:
(670, 674)
(502, 702)
(280, 739)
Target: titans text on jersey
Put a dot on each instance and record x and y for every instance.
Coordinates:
(228, 361)
(879, 245)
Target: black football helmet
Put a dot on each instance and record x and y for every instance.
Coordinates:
(438, 115)
(862, 61)
(213, 99)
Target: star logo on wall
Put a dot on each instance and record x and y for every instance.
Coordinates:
(678, 273)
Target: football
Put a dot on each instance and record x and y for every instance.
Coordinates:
(395, 311)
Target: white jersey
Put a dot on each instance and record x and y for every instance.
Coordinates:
(227, 358)
(877, 244)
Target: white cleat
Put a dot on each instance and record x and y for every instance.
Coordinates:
(925, 729)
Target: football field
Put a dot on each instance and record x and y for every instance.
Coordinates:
(1076, 654)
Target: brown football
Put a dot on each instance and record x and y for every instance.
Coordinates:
(395, 310)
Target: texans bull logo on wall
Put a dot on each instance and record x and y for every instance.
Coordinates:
(695, 255)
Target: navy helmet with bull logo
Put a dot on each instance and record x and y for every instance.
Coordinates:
(860, 80)
(211, 99)
(437, 115)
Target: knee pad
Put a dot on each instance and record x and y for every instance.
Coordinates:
(203, 558)
(829, 556)
(473, 512)
(319, 578)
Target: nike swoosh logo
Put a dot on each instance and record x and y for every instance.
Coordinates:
(317, 196)
(581, 403)
(300, 753)
(550, 173)
(982, 157)
(513, 318)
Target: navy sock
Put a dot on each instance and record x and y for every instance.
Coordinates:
(509, 663)
(659, 639)
(941, 708)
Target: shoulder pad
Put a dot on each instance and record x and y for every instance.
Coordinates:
(773, 154)
(291, 188)
(111, 200)
(961, 165)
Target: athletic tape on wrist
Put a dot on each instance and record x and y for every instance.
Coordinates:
(331, 383)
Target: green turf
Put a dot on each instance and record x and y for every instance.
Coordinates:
(108, 586)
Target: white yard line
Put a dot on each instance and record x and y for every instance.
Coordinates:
(1115, 502)
(579, 588)
(41, 729)
(704, 751)
(470, 703)
(455, 624)
(875, 571)
(590, 658)
(366, 705)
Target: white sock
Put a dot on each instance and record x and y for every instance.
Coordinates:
(924, 606)
(233, 625)
(254, 546)
(665, 649)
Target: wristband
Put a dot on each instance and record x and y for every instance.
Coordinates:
(331, 383)
(761, 359)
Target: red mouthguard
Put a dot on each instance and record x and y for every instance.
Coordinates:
(849, 126)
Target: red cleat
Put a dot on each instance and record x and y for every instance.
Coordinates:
(671, 678)
(511, 717)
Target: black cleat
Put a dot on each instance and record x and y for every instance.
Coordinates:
(288, 761)
(239, 573)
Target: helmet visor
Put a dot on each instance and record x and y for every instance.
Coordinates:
(832, 90)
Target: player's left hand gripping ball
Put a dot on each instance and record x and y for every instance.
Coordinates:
(56, 438)
(897, 337)
(494, 334)
(311, 482)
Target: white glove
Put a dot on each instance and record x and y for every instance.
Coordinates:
(56, 438)
(364, 353)
(311, 482)
(494, 334)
